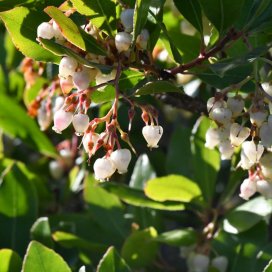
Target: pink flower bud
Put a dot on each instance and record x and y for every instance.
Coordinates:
(62, 120)
(247, 189)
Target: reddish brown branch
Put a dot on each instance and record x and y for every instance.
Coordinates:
(232, 35)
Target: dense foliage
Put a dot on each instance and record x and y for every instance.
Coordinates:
(162, 126)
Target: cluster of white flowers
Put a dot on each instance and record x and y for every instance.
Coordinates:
(75, 78)
(201, 263)
(123, 39)
(255, 141)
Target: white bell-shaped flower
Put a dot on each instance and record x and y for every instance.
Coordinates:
(236, 105)
(248, 188)
(45, 31)
(266, 165)
(264, 187)
(142, 39)
(257, 117)
(221, 115)
(212, 138)
(57, 32)
(213, 103)
(89, 142)
(226, 150)
(252, 151)
(266, 135)
(127, 19)
(238, 134)
(67, 67)
(56, 169)
(103, 168)
(62, 120)
(121, 159)
(245, 163)
(152, 135)
(123, 41)
(58, 103)
(224, 132)
(198, 262)
(82, 79)
(220, 263)
(66, 84)
(44, 118)
(80, 123)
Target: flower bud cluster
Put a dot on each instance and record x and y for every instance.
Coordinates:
(255, 140)
(123, 39)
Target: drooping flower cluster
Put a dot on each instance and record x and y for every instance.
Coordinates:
(77, 81)
(250, 129)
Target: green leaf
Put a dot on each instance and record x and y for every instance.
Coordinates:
(247, 215)
(25, 128)
(140, 17)
(172, 187)
(102, 96)
(185, 237)
(61, 50)
(140, 249)
(142, 172)
(73, 33)
(137, 198)
(206, 162)
(191, 10)
(22, 25)
(106, 209)
(129, 79)
(179, 144)
(155, 87)
(10, 261)
(112, 262)
(222, 13)
(102, 13)
(41, 232)
(31, 93)
(42, 259)
(18, 205)
(70, 240)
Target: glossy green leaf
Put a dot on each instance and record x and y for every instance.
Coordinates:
(112, 262)
(102, 13)
(140, 16)
(106, 209)
(247, 215)
(191, 10)
(179, 144)
(18, 205)
(185, 237)
(140, 249)
(61, 50)
(42, 259)
(172, 187)
(73, 33)
(22, 25)
(129, 79)
(222, 13)
(10, 261)
(137, 198)
(70, 240)
(26, 128)
(41, 232)
(102, 96)
(206, 162)
(142, 172)
(155, 87)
